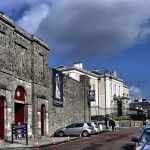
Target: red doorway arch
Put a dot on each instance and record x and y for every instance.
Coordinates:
(2, 114)
(19, 106)
(19, 94)
(43, 110)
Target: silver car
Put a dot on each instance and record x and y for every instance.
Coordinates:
(96, 127)
(76, 129)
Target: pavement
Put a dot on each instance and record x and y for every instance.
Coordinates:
(33, 143)
(39, 143)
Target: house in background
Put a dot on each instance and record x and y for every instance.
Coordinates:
(140, 108)
(75, 72)
(111, 95)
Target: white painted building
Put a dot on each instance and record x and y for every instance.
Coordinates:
(114, 95)
(111, 95)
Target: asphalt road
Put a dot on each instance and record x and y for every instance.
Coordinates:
(118, 140)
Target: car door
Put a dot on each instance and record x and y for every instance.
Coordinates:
(70, 129)
(78, 128)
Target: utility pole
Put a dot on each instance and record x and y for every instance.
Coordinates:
(105, 91)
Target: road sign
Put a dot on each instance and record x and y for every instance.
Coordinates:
(20, 129)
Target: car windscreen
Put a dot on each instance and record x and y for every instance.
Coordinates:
(145, 137)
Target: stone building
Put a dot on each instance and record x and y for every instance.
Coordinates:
(111, 95)
(26, 86)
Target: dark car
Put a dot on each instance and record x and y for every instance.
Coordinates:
(76, 129)
(143, 138)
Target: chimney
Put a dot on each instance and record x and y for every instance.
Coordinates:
(94, 70)
(78, 65)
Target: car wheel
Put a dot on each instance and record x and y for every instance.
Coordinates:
(85, 133)
(61, 134)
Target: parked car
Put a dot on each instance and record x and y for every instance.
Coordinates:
(143, 138)
(101, 127)
(96, 126)
(82, 128)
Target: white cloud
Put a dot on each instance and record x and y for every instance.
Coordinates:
(33, 17)
(134, 92)
(84, 28)
(95, 28)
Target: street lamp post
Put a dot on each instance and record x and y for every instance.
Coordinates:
(98, 95)
(105, 91)
(105, 100)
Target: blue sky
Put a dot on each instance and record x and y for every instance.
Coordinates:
(99, 33)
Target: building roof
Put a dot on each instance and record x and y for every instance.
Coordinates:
(143, 105)
(64, 68)
(94, 72)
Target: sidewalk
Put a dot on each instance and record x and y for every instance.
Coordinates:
(33, 142)
(40, 142)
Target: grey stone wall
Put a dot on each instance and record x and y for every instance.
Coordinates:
(76, 106)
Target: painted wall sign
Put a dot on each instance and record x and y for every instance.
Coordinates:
(57, 88)
(92, 95)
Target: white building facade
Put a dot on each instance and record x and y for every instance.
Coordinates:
(111, 95)
(114, 95)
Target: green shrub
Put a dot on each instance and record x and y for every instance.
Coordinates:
(120, 118)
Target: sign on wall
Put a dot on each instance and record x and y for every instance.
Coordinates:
(57, 88)
(92, 95)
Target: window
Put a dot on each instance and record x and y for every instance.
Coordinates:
(41, 65)
(145, 136)
(79, 125)
(119, 91)
(93, 86)
(115, 89)
(111, 88)
(71, 126)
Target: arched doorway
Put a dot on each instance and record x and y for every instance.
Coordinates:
(2, 113)
(43, 111)
(19, 104)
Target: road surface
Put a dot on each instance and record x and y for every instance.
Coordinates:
(118, 140)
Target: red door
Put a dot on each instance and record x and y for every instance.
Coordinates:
(42, 119)
(19, 113)
(19, 107)
(1, 118)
